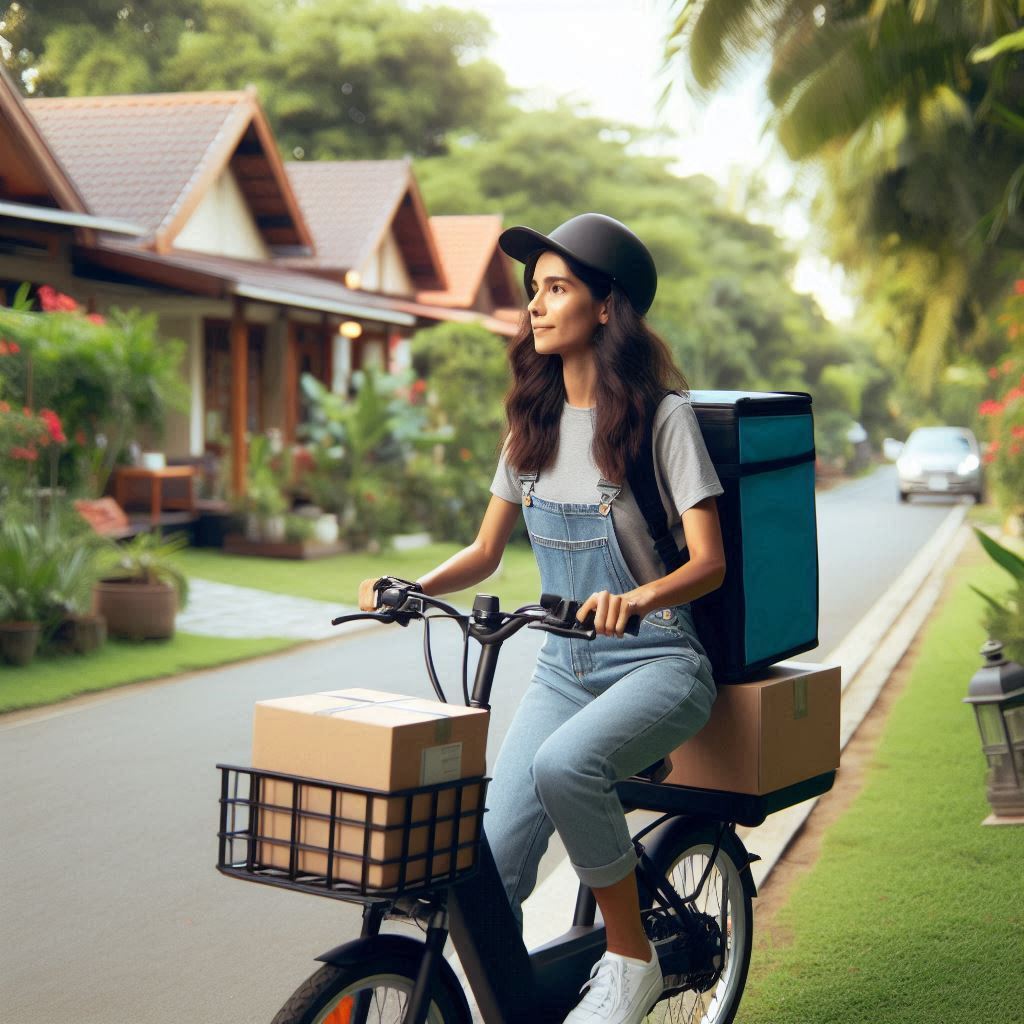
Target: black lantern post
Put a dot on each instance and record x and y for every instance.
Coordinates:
(996, 692)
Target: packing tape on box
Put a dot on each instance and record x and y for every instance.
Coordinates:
(442, 727)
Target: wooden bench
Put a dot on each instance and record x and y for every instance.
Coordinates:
(106, 517)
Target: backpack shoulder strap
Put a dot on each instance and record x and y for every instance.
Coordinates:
(643, 482)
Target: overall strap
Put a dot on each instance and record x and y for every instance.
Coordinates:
(609, 492)
(527, 481)
(644, 484)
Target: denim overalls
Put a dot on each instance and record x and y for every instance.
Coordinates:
(595, 711)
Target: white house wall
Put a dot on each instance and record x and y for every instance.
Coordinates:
(385, 270)
(223, 224)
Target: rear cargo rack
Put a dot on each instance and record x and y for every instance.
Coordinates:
(347, 842)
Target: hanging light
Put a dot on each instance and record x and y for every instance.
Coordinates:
(351, 329)
(353, 279)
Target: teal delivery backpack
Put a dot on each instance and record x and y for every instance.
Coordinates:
(762, 445)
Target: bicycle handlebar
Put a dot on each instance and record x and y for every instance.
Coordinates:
(402, 601)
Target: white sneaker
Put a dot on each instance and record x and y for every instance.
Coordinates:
(621, 990)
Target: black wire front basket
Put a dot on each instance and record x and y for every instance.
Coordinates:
(343, 841)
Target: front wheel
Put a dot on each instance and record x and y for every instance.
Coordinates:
(723, 898)
(375, 991)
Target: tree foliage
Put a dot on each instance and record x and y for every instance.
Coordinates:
(725, 302)
(340, 78)
(910, 108)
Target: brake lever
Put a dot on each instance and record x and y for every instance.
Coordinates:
(572, 633)
(376, 616)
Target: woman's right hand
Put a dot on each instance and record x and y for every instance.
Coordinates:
(367, 597)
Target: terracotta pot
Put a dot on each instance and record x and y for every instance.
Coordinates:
(136, 611)
(19, 641)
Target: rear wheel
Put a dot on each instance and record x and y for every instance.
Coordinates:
(375, 991)
(723, 899)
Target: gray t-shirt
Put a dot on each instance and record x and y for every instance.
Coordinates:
(683, 469)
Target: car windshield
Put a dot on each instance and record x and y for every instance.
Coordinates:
(938, 441)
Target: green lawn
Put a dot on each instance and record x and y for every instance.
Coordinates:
(337, 579)
(56, 677)
(913, 913)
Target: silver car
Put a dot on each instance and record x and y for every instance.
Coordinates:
(940, 460)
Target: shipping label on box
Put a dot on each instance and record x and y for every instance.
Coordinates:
(767, 734)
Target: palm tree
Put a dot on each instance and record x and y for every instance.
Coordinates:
(918, 139)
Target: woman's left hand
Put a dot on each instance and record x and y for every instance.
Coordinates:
(611, 611)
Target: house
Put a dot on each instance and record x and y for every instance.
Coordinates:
(200, 175)
(371, 231)
(179, 205)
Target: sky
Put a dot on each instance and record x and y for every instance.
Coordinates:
(608, 53)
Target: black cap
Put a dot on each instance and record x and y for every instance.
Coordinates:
(598, 242)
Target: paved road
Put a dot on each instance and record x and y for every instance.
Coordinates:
(111, 910)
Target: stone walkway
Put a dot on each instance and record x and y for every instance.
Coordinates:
(222, 609)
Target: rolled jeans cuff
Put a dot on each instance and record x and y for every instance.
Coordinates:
(609, 874)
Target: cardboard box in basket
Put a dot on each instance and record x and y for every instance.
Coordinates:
(767, 734)
(373, 740)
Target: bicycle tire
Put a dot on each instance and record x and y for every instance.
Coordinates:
(683, 859)
(331, 994)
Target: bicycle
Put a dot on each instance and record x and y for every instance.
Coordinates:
(693, 873)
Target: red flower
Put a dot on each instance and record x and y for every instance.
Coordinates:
(1013, 393)
(994, 446)
(1007, 365)
(1012, 331)
(80, 437)
(1018, 287)
(993, 373)
(27, 454)
(465, 454)
(989, 457)
(990, 408)
(95, 318)
(1015, 449)
(370, 497)
(9, 348)
(53, 425)
(4, 407)
(419, 386)
(53, 301)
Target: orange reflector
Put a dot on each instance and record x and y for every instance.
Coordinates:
(342, 1013)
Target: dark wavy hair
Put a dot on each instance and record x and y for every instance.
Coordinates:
(634, 371)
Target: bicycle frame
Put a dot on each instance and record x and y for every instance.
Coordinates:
(512, 985)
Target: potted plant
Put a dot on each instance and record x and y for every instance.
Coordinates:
(79, 629)
(26, 580)
(143, 588)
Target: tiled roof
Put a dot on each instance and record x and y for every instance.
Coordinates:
(149, 158)
(467, 246)
(30, 171)
(349, 206)
(129, 163)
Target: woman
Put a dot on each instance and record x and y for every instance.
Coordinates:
(588, 378)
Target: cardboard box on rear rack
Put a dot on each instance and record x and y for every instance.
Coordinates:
(373, 740)
(767, 734)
